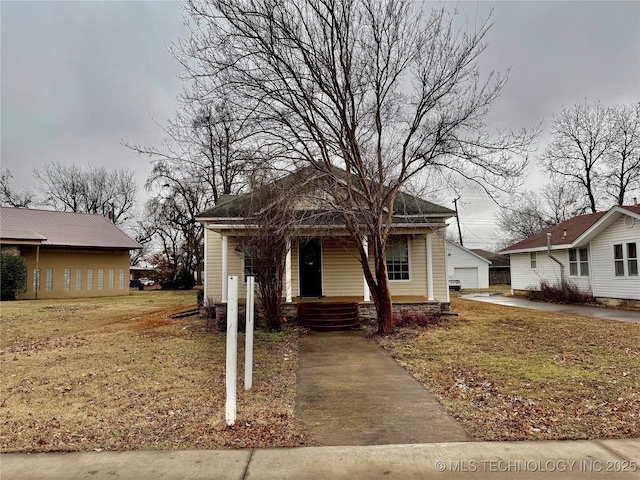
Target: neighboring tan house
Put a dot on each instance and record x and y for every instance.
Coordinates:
(470, 268)
(500, 268)
(597, 252)
(322, 263)
(75, 254)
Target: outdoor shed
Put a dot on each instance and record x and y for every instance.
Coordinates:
(68, 254)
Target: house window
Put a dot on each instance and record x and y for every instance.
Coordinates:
(121, 278)
(533, 259)
(89, 278)
(78, 279)
(67, 279)
(579, 262)
(36, 279)
(249, 266)
(632, 259)
(100, 279)
(111, 277)
(49, 280)
(398, 258)
(625, 255)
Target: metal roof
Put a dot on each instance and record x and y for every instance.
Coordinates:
(62, 229)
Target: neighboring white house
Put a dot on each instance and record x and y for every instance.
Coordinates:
(596, 252)
(470, 268)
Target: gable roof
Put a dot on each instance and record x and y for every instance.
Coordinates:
(236, 206)
(497, 260)
(68, 229)
(576, 231)
(470, 252)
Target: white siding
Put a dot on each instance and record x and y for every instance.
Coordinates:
(460, 258)
(605, 283)
(523, 277)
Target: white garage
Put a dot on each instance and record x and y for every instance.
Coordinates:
(468, 277)
(470, 268)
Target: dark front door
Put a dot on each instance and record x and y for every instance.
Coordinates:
(310, 261)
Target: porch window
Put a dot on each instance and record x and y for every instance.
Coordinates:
(121, 278)
(533, 259)
(100, 279)
(111, 278)
(579, 262)
(89, 278)
(398, 258)
(78, 279)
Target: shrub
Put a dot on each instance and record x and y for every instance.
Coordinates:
(565, 292)
(184, 280)
(410, 318)
(209, 312)
(14, 276)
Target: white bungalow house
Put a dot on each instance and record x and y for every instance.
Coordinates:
(470, 268)
(597, 252)
(322, 263)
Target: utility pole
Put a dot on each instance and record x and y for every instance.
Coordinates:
(455, 204)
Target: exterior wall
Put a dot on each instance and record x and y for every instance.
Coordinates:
(59, 259)
(523, 277)
(341, 270)
(605, 283)
(460, 258)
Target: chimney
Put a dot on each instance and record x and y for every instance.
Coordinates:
(635, 200)
(564, 233)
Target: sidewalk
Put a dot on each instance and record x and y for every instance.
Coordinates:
(595, 312)
(352, 392)
(606, 459)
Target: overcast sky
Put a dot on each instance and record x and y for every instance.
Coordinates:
(79, 77)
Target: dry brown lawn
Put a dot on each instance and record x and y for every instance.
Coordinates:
(517, 374)
(118, 374)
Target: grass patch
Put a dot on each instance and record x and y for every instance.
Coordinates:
(118, 374)
(516, 374)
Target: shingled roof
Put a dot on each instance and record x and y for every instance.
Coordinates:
(405, 204)
(66, 229)
(564, 234)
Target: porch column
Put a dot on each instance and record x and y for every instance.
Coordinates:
(429, 269)
(225, 253)
(367, 293)
(287, 275)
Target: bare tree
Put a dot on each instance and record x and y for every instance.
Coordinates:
(368, 92)
(622, 162)
(89, 190)
(530, 212)
(270, 220)
(10, 197)
(596, 148)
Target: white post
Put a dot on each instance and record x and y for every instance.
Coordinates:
(287, 277)
(429, 269)
(204, 265)
(248, 339)
(231, 371)
(446, 269)
(367, 293)
(225, 256)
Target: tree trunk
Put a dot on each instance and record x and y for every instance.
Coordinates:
(382, 299)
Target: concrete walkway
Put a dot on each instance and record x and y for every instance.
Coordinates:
(351, 392)
(557, 460)
(595, 312)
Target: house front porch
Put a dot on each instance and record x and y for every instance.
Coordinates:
(366, 311)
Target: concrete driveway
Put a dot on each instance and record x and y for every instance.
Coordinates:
(595, 312)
